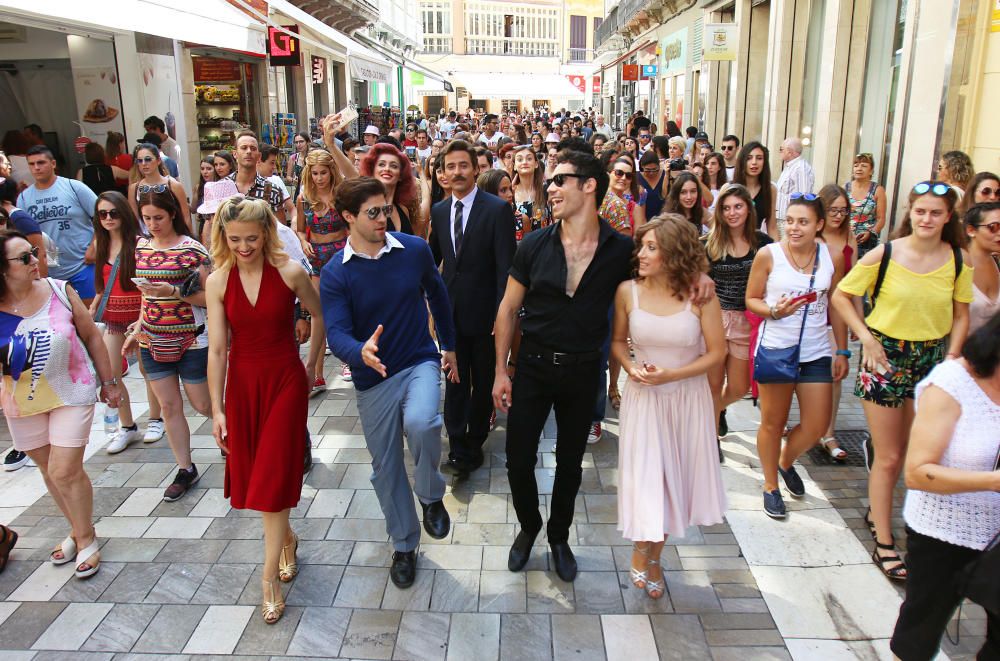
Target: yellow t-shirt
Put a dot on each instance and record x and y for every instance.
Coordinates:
(911, 306)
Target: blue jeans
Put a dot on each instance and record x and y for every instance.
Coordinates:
(407, 401)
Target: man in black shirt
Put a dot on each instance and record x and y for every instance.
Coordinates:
(565, 277)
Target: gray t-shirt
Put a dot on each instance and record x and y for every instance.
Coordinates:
(63, 211)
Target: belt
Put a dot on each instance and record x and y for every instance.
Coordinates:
(557, 357)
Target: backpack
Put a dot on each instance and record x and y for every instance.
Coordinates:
(99, 178)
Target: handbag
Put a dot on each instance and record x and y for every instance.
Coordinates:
(781, 365)
(103, 304)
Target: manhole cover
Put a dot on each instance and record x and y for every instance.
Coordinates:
(851, 441)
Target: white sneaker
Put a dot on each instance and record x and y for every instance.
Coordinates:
(119, 439)
(154, 431)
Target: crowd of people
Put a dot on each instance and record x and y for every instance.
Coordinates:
(532, 258)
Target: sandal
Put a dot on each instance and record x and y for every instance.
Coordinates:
(614, 396)
(83, 557)
(837, 453)
(639, 578)
(68, 550)
(6, 546)
(655, 589)
(271, 609)
(288, 570)
(897, 573)
(871, 524)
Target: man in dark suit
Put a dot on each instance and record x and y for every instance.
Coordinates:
(473, 237)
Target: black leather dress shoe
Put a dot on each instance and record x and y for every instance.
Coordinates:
(459, 466)
(404, 568)
(564, 561)
(520, 550)
(437, 523)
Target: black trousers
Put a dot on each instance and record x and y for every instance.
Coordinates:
(539, 386)
(931, 600)
(468, 404)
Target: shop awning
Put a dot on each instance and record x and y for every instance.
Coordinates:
(517, 86)
(209, 22)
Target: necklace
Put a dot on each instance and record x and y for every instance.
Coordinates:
(800, 269)
(16, 305)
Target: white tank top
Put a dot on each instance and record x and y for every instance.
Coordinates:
(786, 280)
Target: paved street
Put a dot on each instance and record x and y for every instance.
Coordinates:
(181, 580)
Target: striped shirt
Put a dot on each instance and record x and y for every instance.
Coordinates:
(171, 315)
(797, 177)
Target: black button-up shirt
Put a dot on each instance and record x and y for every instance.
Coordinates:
(554, 320)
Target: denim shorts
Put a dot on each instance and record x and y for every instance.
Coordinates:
(191, 368)
(813, 371)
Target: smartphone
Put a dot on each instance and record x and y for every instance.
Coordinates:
(411, 153)
(141, 282)
(889, 372)
(809, 297)
(348, 115)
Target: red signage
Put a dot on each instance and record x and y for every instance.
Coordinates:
(579, 82)
(595, 85)
(80, 144)
(630, 72)
(260, 6)
(282, 48)
(215, 70)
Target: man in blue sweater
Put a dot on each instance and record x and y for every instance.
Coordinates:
(374, 295)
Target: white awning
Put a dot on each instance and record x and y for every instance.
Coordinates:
(363, 68)
(517, 86)
(209, 22)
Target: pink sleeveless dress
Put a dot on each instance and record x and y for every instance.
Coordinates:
(668, 463)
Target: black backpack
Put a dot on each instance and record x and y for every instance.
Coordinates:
(99, 178)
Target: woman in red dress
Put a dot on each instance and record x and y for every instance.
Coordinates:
(262, 423)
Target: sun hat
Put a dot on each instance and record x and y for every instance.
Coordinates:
(372, 129)
(553, 137)
(217, 192)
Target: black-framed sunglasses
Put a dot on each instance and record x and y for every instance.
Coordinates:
(26, 257)
(725, 148)
(808, 197)
(560, 179)
(938, 189)
(374, 212)
(104, 214)
(621, 173)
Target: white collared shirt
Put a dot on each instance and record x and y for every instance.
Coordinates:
(390, 243)
(466, 208)
(797, 177)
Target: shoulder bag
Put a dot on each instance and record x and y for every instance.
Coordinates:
(781, 365)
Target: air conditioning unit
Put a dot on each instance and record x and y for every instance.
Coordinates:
(13, 34)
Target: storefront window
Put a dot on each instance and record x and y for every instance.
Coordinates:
(810, 90)
(679, 90)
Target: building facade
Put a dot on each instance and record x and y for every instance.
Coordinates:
(509, 56)
(904, 80)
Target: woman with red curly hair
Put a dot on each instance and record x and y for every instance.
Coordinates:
(394, 170)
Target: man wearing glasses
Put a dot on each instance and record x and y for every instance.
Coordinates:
(644, 137)
(730, 152)
(490, 136)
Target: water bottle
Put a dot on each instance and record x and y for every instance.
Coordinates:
(110, 419)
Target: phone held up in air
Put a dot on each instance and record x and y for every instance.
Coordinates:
(348, 114)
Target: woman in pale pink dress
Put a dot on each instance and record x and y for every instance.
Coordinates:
(668, 466)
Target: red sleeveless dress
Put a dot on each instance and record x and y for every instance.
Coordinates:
(266, 397)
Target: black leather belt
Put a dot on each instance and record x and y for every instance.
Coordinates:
(529, 349)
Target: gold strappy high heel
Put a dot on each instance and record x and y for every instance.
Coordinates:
(288, 570)
(271, 609)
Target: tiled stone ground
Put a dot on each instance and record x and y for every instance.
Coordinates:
(181, 580)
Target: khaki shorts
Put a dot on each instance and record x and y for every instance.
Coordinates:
(737, 328)
(64, 427)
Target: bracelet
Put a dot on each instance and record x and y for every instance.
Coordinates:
(112, 382)
(844, 352)
(773, 315)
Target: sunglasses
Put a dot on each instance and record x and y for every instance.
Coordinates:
(153, 188)
(621, 173)
(725, 148)
(808, 197)
(375, 212)
(650, 170)
(560, 179)
(26, 257)
(104, 214)
(938, 189)
(144, 159)
(994, 227)
(644, 136)
(989, 191)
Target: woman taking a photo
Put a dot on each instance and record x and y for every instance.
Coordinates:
(117, 300)
(48, 388)
(258, 422)
(150, 176)
(685, 199)
(732, 245)
(753, 172)
(170, 333)
(868, 204)
(530, 205)
(789, 287)
(952, 508)
(982, 227)
(922, 300)
(394, 170)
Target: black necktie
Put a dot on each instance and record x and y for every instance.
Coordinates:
(458, 226)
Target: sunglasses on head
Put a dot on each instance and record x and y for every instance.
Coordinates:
(153, 188)
(26, 257)
(374, 212)
(621, 173)
(104, 214)
(560, 179)
(808, 197)
(938, 189)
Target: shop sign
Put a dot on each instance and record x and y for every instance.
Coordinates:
(673, 52)
(630, 72)
(579, 82)
(995, 17)
(595, 85)
(318, 70)
(283, 49)
(368, 70)
(649, 71)
(719, 42)
(215, 70)
(417, 78)
(80, 144)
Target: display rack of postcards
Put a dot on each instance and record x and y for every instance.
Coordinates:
(281, 134)
(381, 118)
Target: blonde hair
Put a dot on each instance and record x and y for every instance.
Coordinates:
(684, 258)
(677, 141)
(239, 209)
(317, 158)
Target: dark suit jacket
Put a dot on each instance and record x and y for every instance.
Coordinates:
(477, 276)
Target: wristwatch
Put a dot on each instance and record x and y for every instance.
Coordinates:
(844, 352)
(112, 382)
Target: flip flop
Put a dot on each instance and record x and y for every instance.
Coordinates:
(67, 548)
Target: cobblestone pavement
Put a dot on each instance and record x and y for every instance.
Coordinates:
(181, 580)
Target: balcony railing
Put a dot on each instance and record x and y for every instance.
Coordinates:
(580, 55)
(346, 16)
(607, 28)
